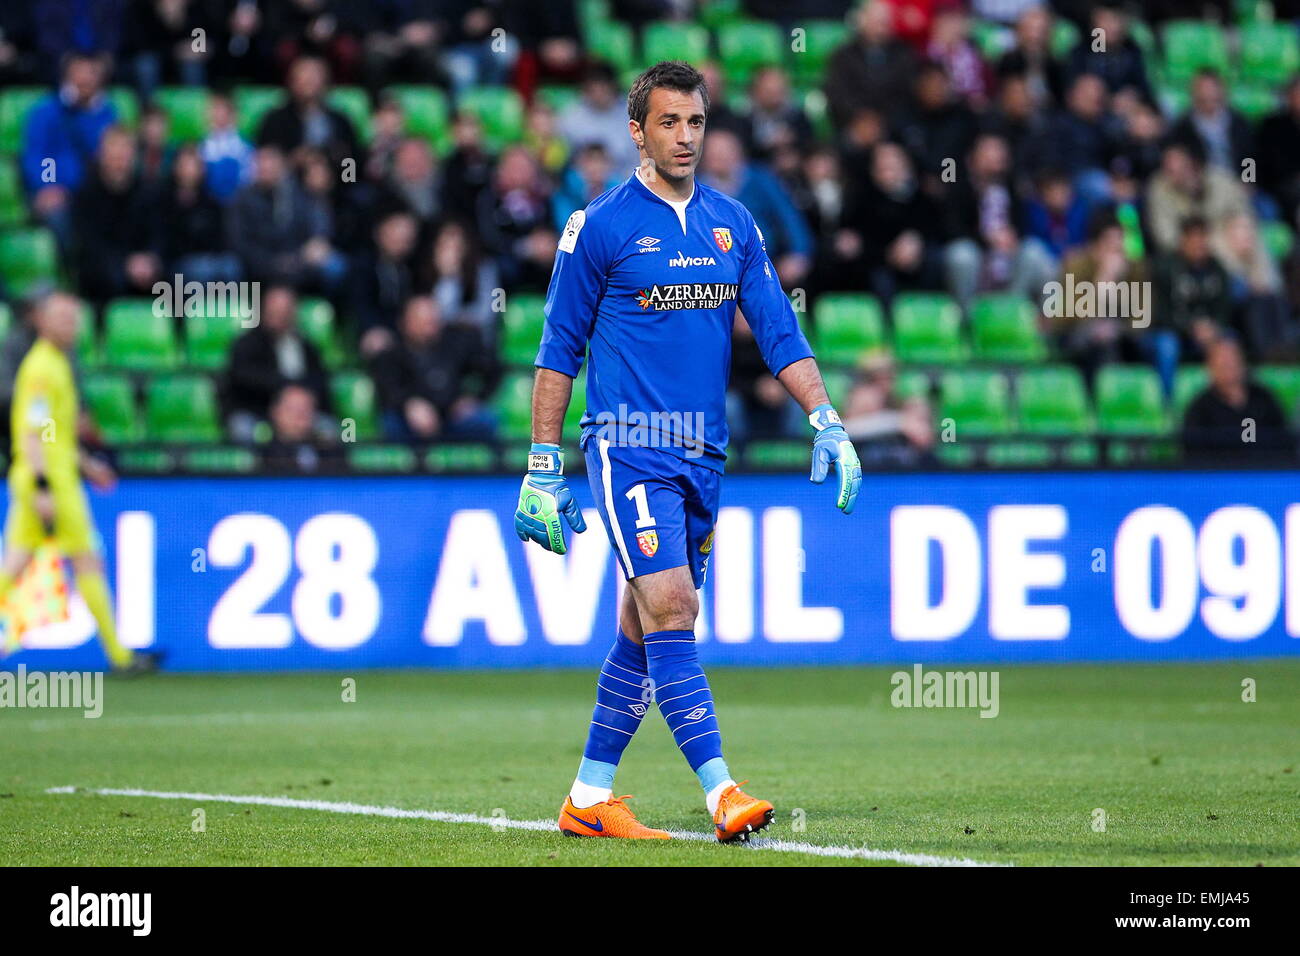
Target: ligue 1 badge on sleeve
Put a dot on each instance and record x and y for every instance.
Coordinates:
(722, 236)
(648, 541)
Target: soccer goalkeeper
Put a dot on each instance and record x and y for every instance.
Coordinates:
(45, 494)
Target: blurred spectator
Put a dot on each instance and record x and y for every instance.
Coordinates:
(1107, 331)
(18, 66)
(154, 150)
(471, 59)
(1114, 55)
(1084, 136)
(721, 115)
(323, 29)
(1057, 215)
(899, 225)
(1031, 58)
(191, 223)
(1184, 187)
(297, 446)
(789, 243)
(547, 35)
(824, 201)
(774, 119)
(434, 380)
(225, 152)
(514, 220)
(542, 137)
(1264, 316)
(1141, 142)
(1192, 289)
(872, 69)
(265, 359)
(758, 406)
(590, 175)
(1224, 134)
(307, 120)
(1279, 145)
(387, 134)
(71, 27)
(464, 282)
(383, 281)
(1003, 11)
(600, 116)
(467, 169)
(889, 431)
(162, 43)
(412, 186)
(988, 250)
(936, 128)
(1234, 419)
(950, 46)
(339, 212)
(400, 42)
(270, 225)
(117, 225)
(61, 139)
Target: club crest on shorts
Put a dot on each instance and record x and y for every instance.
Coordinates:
(648, 542)
(722, 236)
(707, 546)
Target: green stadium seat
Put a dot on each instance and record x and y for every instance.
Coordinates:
(977, 401)
(1284, 382)
(354, 103)
(15, 103)
(1191, 45)
(13, 199)
(459, 457)
(1129, 401)
(398, 458)
(223, 459)
(612, 42)
(187, 112)
(110, 399)
(28, 257)
(1143, 37)
(674, 41)
(316, 322)
(820, 40)
(126, 105)
(558, 97)
(137, 339)
(353, 394)
(1252, 101)
(182, 409)
(1019, 454)
(991, 39)
(6, 319)
(927, 329)
(718, 13)
(514, 403)
(577, 404)
(591, 11)
(776, 453)
(838, 385)
(1065, 37)
(1053, 400)
(1278, 238)
(1269, 53)
(500, 110)
(88, 351)
(252, 102)
(746, 45)
(1189, 381)
(1003, 329)
(522, 328)
(848, 324)
(208, 339)
(152, 461)
(912, 383)
(426, 113)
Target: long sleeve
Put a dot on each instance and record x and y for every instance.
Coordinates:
(577, 284)
(766, 308)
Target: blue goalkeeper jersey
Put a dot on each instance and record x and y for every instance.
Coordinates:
(654, 294)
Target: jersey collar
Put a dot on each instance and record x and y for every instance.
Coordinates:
(679, 209)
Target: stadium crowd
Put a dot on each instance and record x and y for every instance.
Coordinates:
(974, 149)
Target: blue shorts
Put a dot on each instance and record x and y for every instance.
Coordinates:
(658, 509)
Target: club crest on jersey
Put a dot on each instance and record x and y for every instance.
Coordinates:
(648, 542)
(722, 236)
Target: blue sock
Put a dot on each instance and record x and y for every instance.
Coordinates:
(621, 702)
(683, 696)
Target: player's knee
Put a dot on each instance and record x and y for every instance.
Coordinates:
(677, 611)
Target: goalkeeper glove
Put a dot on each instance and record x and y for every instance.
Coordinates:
(543, 497)
(832, 445)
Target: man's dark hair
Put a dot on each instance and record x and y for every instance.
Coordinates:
(667, 75)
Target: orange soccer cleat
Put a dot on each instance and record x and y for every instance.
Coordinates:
(612, 818)
(739, 816)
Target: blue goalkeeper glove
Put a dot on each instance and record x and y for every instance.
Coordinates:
(832, 445)
(543, 497)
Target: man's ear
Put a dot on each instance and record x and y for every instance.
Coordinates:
(638, 137)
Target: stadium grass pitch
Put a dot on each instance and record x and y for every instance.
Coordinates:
(1185, 771)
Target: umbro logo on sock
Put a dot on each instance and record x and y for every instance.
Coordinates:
(697, 713)
(638, 709)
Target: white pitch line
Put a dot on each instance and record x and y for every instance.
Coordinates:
(445, 816)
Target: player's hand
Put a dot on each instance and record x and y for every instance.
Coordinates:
(832, 445)
(543, 498)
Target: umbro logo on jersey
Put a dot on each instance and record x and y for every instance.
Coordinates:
(684, 260)
(648, 244)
